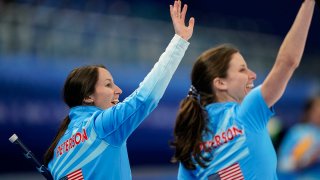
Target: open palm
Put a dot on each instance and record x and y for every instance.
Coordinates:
(178, 19)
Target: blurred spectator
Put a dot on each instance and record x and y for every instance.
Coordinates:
(299, 154)
(276, 131)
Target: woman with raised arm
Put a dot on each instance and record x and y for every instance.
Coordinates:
(91, 142)
(221, 127)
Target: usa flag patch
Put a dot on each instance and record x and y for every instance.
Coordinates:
(232, 172)
(75, 175)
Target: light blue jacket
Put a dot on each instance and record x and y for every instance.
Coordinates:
(94, 144)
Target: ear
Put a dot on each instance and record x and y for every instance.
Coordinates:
(88, 100)
(219, 84)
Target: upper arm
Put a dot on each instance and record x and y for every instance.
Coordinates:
(289, 55)
(276, 82)
(116, 124)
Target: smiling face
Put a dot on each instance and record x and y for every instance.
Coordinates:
(239, 80)
(106, 92)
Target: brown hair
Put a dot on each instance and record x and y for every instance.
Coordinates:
(191, 121)
(79, 84)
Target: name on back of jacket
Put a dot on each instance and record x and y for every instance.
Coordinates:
(221, 138)
(72, 142)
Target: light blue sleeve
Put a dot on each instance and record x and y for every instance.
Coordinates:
(116, 124)
(253, 112)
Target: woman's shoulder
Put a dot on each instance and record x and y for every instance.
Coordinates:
(220, 106)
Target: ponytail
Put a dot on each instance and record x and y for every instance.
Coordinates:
(192, 120)
(50, 152)
(190, 123)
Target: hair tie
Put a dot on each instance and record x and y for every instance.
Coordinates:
(193, 92)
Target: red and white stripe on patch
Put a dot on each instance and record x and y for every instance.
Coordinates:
(75, 175)
(232, 172)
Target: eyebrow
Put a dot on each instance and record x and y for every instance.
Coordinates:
(108, 80)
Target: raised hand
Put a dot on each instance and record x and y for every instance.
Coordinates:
(178, 19)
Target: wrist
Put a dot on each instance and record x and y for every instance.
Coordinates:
(183, 37)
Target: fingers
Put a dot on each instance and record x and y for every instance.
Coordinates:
(178, 16)
(178, 8)
(175, 9)
(184, 12)
(171, 11)
(191, 23)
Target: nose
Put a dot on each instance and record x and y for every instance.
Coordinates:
(252, 75)
(117, 90)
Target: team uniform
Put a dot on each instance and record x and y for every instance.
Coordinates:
(94, 145)
(298, 147)
(239, 143)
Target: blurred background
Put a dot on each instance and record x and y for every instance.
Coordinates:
(41, 41)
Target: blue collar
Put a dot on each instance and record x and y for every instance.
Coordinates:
(82, 111)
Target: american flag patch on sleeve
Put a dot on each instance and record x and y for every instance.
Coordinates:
(232, 172)
(75, 175)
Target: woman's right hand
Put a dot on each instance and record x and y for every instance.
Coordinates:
(178, 20)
